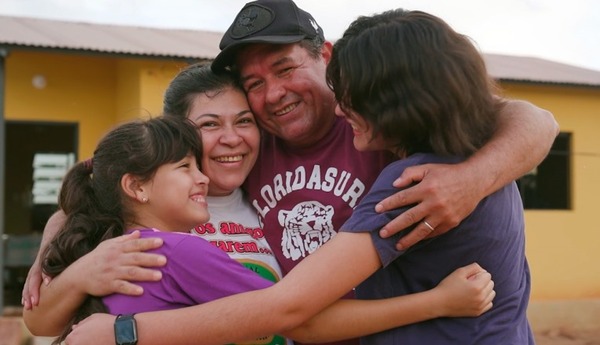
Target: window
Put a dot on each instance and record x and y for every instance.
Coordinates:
(548, 186)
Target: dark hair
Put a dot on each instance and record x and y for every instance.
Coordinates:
(193, 80)
(313, 46)
(91, 194)
(420, 85)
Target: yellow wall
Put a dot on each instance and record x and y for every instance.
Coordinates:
(79, 89)
(96, 92)
(563, 247)
(127, 91)
(154, 82)
(141, 85)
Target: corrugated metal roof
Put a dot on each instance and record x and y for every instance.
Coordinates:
(530, 69)
(53, 34)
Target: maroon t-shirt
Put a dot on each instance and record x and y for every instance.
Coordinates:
(303, 196)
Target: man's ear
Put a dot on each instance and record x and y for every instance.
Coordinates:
(133, 188)
(326, 51)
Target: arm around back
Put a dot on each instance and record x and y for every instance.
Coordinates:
(317, 282)
(446, 194)
(281, 308)
(107, 269)
(31, 288)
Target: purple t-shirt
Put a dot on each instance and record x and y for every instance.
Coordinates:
(196, 272)
(493, 236)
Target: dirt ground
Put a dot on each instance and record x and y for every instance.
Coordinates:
(568, 322)
(553, 324)
(568, 337)
(551, 337)
(554, 337)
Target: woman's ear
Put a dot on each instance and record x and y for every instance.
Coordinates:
(133, 188)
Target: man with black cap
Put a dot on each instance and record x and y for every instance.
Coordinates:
(309, 177)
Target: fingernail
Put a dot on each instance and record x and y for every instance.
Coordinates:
(162, 260)
(383, 233)
(46, 281)
(378, 208)
(157, 275)
(23, 301)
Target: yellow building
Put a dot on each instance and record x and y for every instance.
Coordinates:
(65, 84)
(562, 241)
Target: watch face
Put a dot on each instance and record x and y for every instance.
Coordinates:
(125, 330)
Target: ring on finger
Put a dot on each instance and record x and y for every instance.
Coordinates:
(431, 228)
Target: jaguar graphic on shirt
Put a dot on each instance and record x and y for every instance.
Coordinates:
(305, 228)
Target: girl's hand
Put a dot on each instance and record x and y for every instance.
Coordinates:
(468, 291)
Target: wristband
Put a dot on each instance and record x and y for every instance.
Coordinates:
(125, 330)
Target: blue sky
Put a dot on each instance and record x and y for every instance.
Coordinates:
(567, 32)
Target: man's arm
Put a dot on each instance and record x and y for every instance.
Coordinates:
(447, 194)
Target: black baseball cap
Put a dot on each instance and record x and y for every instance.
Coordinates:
(265, 21)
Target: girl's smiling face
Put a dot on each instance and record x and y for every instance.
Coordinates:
(230, 138)
(177, 196)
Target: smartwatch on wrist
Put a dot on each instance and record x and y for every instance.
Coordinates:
(125, 330)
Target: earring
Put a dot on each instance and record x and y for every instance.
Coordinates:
(144, 200)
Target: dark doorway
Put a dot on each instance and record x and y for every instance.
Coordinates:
(25, 219)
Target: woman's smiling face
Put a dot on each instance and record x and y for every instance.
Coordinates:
(362, 130)
(230, 138)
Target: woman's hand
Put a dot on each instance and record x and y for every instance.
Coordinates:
(115, 263)
(31, 288)
(97, 329)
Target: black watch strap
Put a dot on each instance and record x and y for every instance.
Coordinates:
(125, 330)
